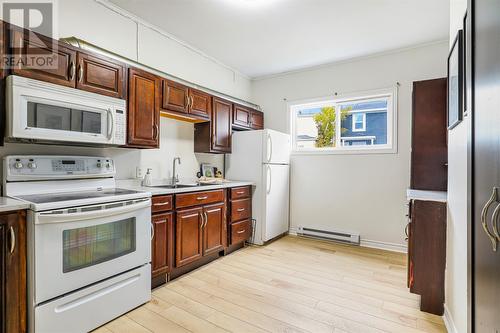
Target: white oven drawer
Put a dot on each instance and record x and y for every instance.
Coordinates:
(75, 250)
(91, 307)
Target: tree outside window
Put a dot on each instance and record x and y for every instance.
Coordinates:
(325, 123)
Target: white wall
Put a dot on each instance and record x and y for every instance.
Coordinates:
(456, 258)
(363, 193)
(93, 22)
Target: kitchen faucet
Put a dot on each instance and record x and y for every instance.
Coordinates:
(175, 178)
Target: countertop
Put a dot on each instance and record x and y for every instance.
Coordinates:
(135, 184)
(426, 195)
(9, 204)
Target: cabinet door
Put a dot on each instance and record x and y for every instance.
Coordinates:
(161, 244)
(200, 103)
(221, 125)
(257, 120)
(143, 109)
(214, 229)
(102, 76)
(242, 116)
(14, 251)
(188, 236)
(175, 96)
(60, 62)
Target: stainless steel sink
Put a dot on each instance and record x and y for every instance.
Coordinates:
(180, 186)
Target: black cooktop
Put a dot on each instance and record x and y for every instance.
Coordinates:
(67, 196)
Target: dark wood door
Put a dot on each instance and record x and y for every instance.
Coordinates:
(429, 158)
(221, 125)
(59, 66)
(242, 116)
(188, 236)
(175, 96)
(214, 229)
(200, 103)
(143, 109)
(161, 244)
(100, 75)
(486, 163)
(257, 120)
(14, 272)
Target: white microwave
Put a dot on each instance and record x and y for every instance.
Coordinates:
(44, 112)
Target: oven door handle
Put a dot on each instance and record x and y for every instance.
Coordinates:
(48, 217)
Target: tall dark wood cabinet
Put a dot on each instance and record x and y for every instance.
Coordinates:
(429, 154)
(13, 272)
(215, 136)
(427, 253)
(143, 109)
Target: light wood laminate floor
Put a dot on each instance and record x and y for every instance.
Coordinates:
(291, 285)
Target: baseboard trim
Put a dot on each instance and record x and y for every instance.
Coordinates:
(448, 321)
(401, 248)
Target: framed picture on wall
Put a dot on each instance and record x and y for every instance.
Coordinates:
(455, 82)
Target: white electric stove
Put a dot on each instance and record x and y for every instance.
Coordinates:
(89, 243)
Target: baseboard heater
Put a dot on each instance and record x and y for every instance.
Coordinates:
(343, 237)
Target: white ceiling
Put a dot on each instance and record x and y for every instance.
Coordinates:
(262, 37)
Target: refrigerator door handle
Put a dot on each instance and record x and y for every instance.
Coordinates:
(269, 147)
(269, 176)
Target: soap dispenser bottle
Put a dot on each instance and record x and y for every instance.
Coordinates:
(148, 178)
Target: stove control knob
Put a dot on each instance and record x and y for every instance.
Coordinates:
(32, 165)
(108, 165)
(18, 165)
(99, 165)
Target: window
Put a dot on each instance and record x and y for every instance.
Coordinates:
(364, 122)
(359, 122)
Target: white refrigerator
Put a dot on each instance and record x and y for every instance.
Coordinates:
(263, 157)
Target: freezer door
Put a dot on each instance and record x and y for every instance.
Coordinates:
(276, 187)
(276, 147)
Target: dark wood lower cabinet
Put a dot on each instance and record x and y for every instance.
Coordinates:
(161, 247)
(13, 272)
(214, 229)
(427, 253)
(189, 236)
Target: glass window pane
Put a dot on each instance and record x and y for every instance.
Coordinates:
(88, 246)
(365, 123)
(315, 128)
(48, 116)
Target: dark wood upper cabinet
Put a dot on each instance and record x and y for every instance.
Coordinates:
(161, 244)
(102, 76)
(62, 70)
(215, 136)
(143, 109)
(242, 117)
(214, 231)
(188, 236)
(13, 273)
(257, 120)
(175, 96)
(429, 156)
(200, 103)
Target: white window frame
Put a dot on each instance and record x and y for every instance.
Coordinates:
(363, 122)
(392, 124)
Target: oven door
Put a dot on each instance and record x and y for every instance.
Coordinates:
(75, 249)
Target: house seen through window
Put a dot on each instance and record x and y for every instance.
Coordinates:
(345, 124)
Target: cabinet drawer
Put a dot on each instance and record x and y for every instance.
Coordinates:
(241, 231)
(198, 198)
(240, 192)
(161, 203)
(240, 209)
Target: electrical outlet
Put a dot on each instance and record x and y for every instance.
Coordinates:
(138, 172)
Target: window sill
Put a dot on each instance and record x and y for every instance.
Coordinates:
(380, 151)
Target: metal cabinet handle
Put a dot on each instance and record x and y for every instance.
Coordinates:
(157, 131)
(187, 102)
(206, 219)
(494, 222)
(72, 71)
(406, 232)
(484, 215)
(161, 203)
(240, 232)
(80, 73)
(12, 239)
(202, 198)
(240, 192)
(240, 210)
(152, 231)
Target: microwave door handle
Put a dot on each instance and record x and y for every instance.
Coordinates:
(44, 218)
(111, 123)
